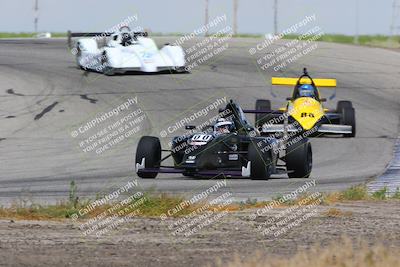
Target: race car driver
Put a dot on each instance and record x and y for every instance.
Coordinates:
(223, 126)
(306, 90)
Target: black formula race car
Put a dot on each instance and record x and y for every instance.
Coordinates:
(231, 147)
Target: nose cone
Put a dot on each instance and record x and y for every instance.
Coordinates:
(306, 111)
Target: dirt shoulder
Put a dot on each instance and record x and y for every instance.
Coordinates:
(151, 242)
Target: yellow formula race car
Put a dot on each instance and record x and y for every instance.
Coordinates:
(304, 112)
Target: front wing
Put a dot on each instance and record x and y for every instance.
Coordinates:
(244, 172)
(323, 128)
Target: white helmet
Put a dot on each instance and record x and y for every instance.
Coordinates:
(223, 126)
(122, 37)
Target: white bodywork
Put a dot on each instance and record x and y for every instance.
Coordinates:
(142, 54)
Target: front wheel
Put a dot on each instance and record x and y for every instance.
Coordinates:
(342, 105)
(349, 118)
(105, 66)
(148, 152)
(260, 162)
(108, 71)
(299, 159)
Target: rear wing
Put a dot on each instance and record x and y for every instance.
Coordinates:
(263, 111)
(303, 80)
(71, 35)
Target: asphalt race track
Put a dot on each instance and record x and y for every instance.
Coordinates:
(44, 95)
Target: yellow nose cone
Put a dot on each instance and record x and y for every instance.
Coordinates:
(306, 111)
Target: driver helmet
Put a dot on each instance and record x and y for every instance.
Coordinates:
(306, 90)
(126, 35)
(223, 126)
(126, 39)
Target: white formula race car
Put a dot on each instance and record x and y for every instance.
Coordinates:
(126, 51)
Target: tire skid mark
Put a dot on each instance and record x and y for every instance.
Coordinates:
(11, 92)
(91, 100)
(188, 89)
(31, 107)
(45, 110)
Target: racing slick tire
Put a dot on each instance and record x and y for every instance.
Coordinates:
(349, 118)
(109, 71)
(262, 104)
(299, 159)
(78, 55)
(260, 162)
(149, 148)
(181, 70)
(342, 105)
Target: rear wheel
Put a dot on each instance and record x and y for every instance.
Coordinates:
(299, 159)
(181, 70)
(260, 163)
(261, 118)
(349, 118)
(149, 149)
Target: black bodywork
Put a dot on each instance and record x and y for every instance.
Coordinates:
(224, 153)
(242, 153)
